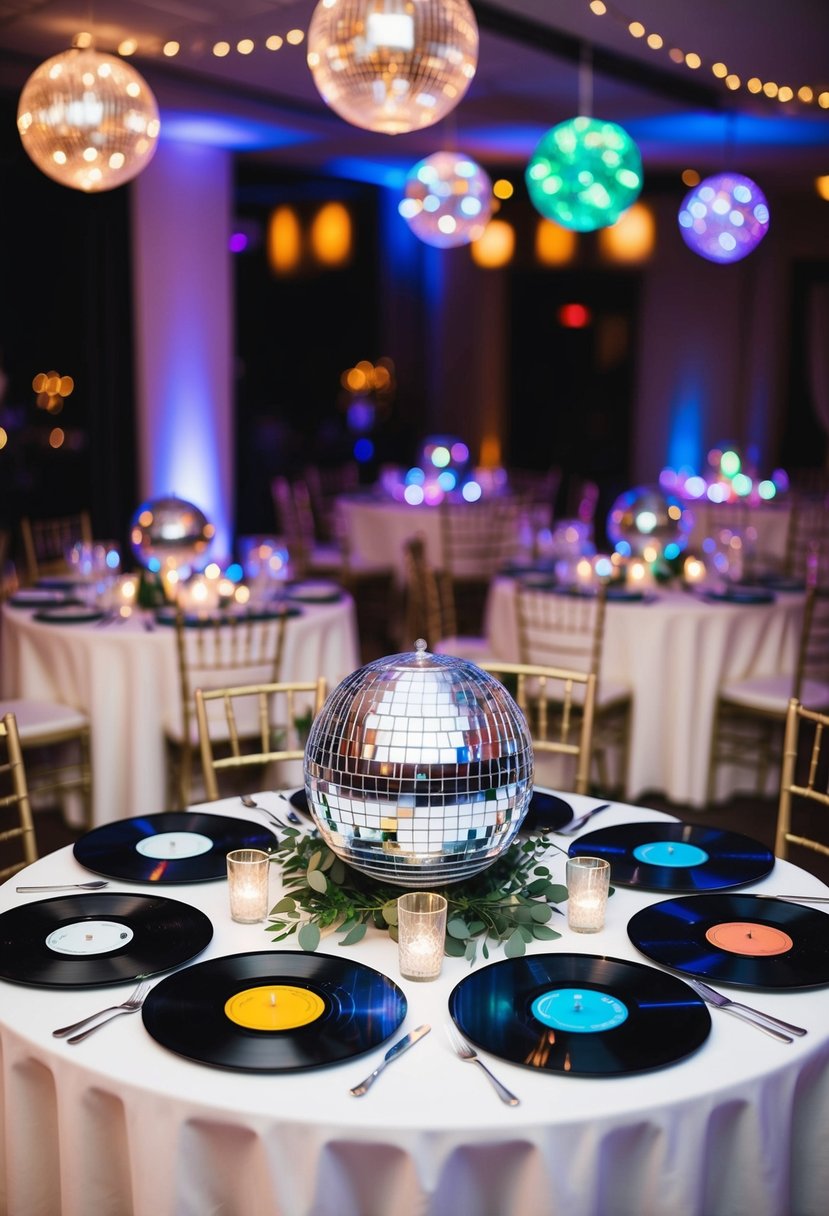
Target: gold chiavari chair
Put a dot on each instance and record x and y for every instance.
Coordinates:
(559, 705)
(815, 790)
(750, 714)
(477, 539)
(14, 798)
(568, 631)
(429, 610)
(55, 740)
(295, 520)
(45, 542)
(807, 542)
(253, 725)
(216, 653)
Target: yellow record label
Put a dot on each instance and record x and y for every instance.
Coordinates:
(274, 1007)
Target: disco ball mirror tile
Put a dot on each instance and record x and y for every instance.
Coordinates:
(419, 769)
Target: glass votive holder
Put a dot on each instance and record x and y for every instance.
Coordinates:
(248, 871)
(421, 934)
(588, 884)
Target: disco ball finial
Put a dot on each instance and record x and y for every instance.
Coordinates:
(419, 769)
(391, 65)
(88, 120)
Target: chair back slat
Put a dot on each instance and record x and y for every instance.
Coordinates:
(814, 791)
(254, 725)
(15, 797)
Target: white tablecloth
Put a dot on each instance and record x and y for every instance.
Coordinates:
(673, 653)
(126, 678)
(120, 1125)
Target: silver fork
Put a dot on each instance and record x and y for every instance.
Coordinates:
(467, 1053)
(133, 1003)
(68, 886)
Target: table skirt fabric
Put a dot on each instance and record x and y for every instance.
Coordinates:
(118, 1125)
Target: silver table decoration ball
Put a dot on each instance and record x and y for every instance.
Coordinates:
(169, 532)
(419, 769)
(647, 522)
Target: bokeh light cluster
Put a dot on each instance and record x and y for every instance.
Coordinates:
(724, 217)
(447, 200)
(728, 477)
(584, 173)
(650, 523)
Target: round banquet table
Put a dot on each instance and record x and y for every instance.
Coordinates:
(118, 1124)
(673, 652)
(125, 677)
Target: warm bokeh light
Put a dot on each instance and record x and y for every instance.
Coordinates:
(574, 316)
(245, 46)
(496, 247)
(632, 238)
(690, 177)
(755, 85)
(804, 93)
(636, 29)
(82, 40)
(274, 42)
(554, 245)
(220, 49)
(56, 437)
(128, 47)
(170, 49)
(655, 41)
(719, 70)
(284, 240)
(785, 93)
(822, 186)
(503, 188)
(598, 7)
(4, 439)
(331, 235)
(295, 37)
(732, 81)
(676, 55)
(692, 60)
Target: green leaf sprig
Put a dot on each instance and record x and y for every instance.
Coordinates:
(511, 903)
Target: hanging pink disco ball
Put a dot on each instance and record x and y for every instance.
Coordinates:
(447, 201)
(724, 217)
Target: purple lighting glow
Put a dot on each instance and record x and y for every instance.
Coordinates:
(724, 217)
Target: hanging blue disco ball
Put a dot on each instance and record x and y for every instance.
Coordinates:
(647, 522)
(584, 174)
(447, 201)
(724, 217)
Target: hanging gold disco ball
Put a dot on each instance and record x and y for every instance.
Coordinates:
(392, 65)
(88, 120)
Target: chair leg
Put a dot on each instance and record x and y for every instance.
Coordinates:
(711, 783)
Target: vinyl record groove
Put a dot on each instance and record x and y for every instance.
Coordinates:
(580, 1014)
(546, 812)
(274, 1011)
(676, 856)
(736, 939)
(174, 846)
(78, 941)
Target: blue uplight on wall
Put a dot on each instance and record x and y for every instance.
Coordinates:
(584, 173)
(724, 217)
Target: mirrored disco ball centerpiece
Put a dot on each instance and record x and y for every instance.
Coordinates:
(419, 769)
(648, 522)
(169, 532)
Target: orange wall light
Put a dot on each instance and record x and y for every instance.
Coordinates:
(331, 235)
(496, 247)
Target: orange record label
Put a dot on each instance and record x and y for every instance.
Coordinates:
(274, 1007)
(754, 941)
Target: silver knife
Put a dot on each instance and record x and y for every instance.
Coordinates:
(392, 1054)
(763, 1021)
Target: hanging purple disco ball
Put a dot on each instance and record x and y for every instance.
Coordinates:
(724, 217)
(448, 200)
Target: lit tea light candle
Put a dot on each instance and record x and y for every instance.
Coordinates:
(248, 871)
(693, 571)
(421, 934)
(585, 574)
(638, 574)
(588, 884)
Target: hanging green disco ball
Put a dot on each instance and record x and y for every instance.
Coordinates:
(584, 173)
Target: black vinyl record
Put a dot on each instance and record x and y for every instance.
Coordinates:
(580, 1014)
(79, 941)
(299, 801)
(173, 846)
(663, 856)
(736, 939)
(274, 1011)
(546, 813)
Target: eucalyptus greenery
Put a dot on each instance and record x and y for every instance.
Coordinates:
(509, 904)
